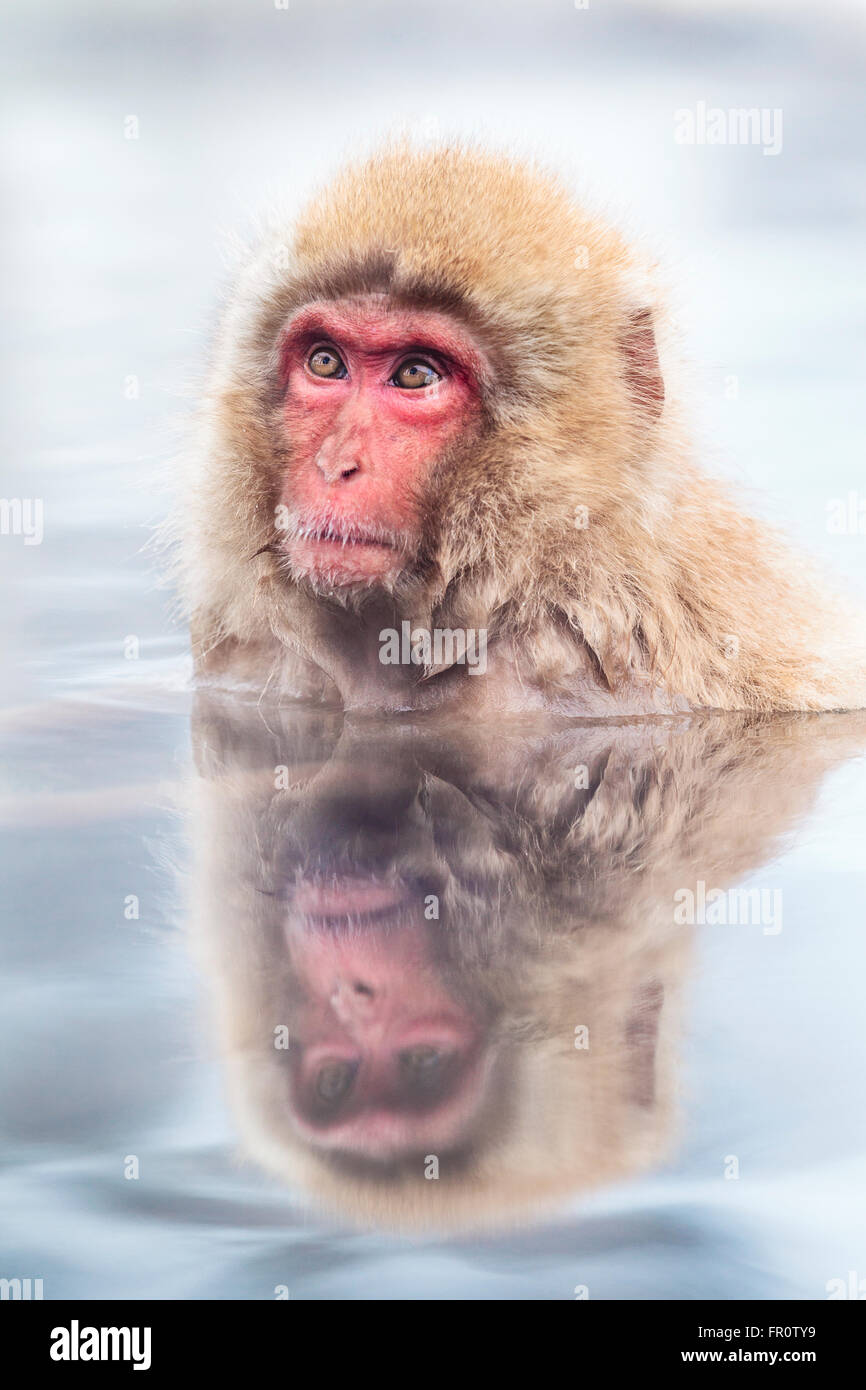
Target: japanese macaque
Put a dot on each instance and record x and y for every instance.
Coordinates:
(447, 972)
(439, 461)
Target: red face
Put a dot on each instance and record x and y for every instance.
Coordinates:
(374, 394)
(386, 1060)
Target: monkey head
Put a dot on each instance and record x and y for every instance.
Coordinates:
(408, 935)
(412, 395)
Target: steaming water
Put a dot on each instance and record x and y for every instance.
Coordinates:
(109, 1042)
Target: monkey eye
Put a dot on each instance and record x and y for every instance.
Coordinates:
(414, 374)
(426, 1071)
(334, 1082)
(326, 362)
(420, 1059)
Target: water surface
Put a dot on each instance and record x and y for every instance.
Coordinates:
(479, 947)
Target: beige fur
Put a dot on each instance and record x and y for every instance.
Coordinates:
(669, 598)
(557, 911)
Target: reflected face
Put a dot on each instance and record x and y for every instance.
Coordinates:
(529, 1038)
(385, 1060)
(373, 396)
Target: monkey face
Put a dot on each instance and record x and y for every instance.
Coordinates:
(385, 1058)
(374, 394)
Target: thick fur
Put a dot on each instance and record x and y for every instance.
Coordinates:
(557, 909)
(668, 597)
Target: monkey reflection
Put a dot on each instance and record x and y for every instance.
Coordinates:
(447, 974)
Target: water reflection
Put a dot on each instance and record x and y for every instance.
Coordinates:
(447, 967)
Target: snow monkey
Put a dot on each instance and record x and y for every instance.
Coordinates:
(437, 464)
(409, 937)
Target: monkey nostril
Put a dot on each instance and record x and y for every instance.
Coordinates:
(336, 470)
(363, 989)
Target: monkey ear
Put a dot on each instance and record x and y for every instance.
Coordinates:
(642, 370)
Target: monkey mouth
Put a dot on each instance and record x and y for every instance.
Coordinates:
(342, 551)
(350, 901)
(349, 533)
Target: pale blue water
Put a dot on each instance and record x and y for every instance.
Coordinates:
(111, 1047)
(117, 1033)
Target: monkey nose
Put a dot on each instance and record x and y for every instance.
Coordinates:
(353, 1001)
(337, 470)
